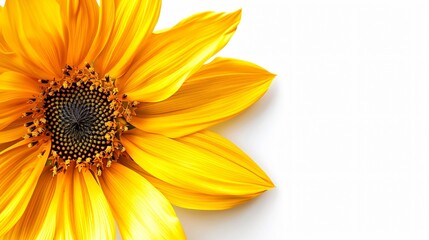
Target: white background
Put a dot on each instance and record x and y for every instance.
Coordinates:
(344, 130)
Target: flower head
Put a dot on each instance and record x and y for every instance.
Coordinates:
(104, 120)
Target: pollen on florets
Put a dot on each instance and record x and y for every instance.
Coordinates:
(83, 118)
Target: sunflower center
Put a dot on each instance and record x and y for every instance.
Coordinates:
(83, 118)
(76, 116)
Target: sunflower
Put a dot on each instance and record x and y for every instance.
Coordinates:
(104, 121)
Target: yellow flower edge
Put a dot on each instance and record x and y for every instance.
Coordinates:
(105, 121)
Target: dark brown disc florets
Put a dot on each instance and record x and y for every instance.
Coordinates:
(76, 117)
(83, 118)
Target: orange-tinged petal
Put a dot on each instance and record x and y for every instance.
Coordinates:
(20, 168)
(6, 145)
(36, 221)
(13, 131)
(173, 55)
(17, 86)
(217, 92)
(34, 31)
(11, 111)
(15, 91)
(84, 212)
(134, 21)
(105, 25)
(81, 23)
(140, 210)
(3, 45)
(10, 61)
(202, 163)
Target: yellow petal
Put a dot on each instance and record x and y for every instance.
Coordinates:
(17, 86)
(34, 223)
(10, 61)
(34, 31)
(105, 25)
(81, 23)
(188, 198)
(3, 45)
(13, 131)
(217, 92)
(140, 211)
(172, 56)
(84, 212)
(203, 163)
(9, 144)
(134, 21)
(15, 90)
(20, 168)
(11, 111)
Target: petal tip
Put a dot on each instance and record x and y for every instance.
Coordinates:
(271, 76)
(267, 183)
(271, 185)
(238, 12)
(236, 15)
